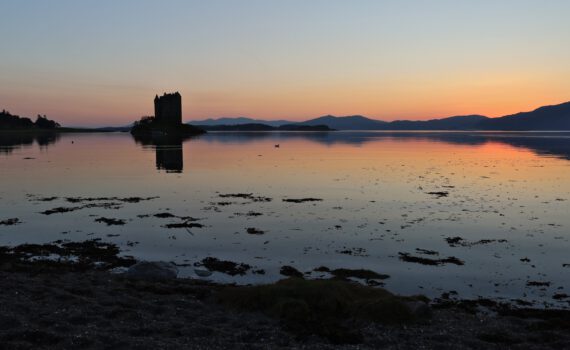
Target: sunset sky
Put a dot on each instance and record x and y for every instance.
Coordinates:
(100, 62)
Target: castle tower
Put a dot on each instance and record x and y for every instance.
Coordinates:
(168, 109)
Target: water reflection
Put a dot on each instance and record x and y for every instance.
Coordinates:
(9, 141)
(169, 151)
(555, 144)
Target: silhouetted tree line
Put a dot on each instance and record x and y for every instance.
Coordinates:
(14, 122)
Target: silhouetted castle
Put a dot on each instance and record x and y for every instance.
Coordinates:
(168, 109)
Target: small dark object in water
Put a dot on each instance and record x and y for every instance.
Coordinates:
(185, 224)
(277, 146)
(249, 196)
(99, 199)
(164, 215)
(228, 267)
(353, 251)
(46, 199)
(110, 221)
(439, 194)
(61, 210)
(10, 222)
(537, 284)
(458, 241)
(425, 261)
(237, 195)
(254, 231)
(358, 273)
(290, 271)
(426, 251)
(302, 200)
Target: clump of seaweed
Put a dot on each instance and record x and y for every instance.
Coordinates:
(407, 257)
(302, 200)
(322, 307)
(254, 231)
(228, 267)
(290, 271)
(81, 256)
(439, 194)
(61, 210)
(111, 221)
(10, 222)
(458, 241)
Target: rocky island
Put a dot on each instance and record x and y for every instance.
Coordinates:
(167, 119)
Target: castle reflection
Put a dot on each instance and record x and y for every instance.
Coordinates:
(170, 158)
(168, 149)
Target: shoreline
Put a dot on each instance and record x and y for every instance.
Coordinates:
(79, 303)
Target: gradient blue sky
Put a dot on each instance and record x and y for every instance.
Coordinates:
(100, 62)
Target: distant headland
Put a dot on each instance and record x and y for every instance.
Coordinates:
(9, 121)
(167, 120)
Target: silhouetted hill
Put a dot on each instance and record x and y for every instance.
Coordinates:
(353, 122)
(552, 118)
(238, 121)
(264, 127)
(14, 122)
(463, 122)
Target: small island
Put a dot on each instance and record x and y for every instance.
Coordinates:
(167, 119)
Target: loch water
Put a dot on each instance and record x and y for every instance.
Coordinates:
(497, 202)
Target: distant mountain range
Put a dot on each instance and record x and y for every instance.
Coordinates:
(265, 127)
(551, 118)
(239, 120)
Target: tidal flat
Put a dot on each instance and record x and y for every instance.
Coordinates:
(457, 215)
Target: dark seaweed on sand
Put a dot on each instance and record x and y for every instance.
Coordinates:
(407, 257)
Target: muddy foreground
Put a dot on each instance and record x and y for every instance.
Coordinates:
(76, 303)
(99, 310)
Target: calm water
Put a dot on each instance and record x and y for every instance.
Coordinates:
(510, 188)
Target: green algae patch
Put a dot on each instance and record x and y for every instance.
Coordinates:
(322, 307)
